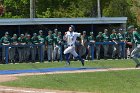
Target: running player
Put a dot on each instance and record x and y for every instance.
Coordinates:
(70, 38)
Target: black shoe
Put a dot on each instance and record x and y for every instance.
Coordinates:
(83, 62)
(58, 60)
(138, 65)
(49, 60)
(105, 58)
(113, 58)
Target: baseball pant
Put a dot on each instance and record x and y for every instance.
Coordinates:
(105, 50)
(50, 52)
(115, 47)
(98, 51)
(135, 54)
(56, 52)
(21, 52)
(4, 53)
(43, 52)
(71, 49)
(33, 53)
(12, 53)
(27, 52)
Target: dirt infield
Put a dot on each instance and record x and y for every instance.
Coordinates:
(4, 78)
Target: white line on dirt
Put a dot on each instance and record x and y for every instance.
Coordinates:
(21, 91)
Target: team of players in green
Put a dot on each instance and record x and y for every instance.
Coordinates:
(53, 41)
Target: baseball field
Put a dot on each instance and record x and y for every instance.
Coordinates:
(104, 76)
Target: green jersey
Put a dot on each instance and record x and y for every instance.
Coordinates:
(28, 41)
(49, 40)
(105, 37)
(59, 40)
(99, 38)
(14, 41)
(136, 37)
(41, 39)
(35, 40)
(54, 35)
(129, 37)
(5, 40)
(55, 39)
(121, 37)
(114, 37)
(84, 38)
(91, 38)
(22, 40)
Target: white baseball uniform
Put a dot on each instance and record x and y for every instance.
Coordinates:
(70, 39)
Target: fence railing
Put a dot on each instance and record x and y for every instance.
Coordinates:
(17, 46)
(61, 52)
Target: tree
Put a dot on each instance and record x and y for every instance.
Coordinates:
(120, 8)
(17, 8)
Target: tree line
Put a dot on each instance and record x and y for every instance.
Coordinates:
(73, 9)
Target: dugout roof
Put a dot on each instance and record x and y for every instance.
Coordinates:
(37, 21)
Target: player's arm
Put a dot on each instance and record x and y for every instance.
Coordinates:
(77, 34)
(46, 42)
(65, 37)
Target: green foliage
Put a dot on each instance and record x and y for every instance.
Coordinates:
(72, 8)
(120, 8)
(16, 8)
(64, 8)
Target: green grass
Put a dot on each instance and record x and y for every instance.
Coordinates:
(97, 82)
(96, 63)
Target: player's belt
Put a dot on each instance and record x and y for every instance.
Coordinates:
(71, 45)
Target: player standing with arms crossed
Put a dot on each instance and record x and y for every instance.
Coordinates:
(70, 38)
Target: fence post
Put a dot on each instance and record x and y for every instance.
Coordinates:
(92, 51)
(123, 49)
(6, 54)
(61, 53)
(41, 51)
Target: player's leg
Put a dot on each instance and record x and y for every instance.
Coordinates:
(73, 52)
(134, 55)
(114, 51)
(54, 53)
(58, 53)
(67, 54)
(33, 53)
(105, 51)
(3, 54)
(49, 52)
(98, 52)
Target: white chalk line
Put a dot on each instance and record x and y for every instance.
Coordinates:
(21, 91)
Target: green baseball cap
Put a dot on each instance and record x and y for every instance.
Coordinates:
(130, 27)
(105, 29)
(113, 30)
(6, 33)
(50, 31)
(14, 35)
(40, 31)
(56, 29)
(91, 33)
(34, 34)
(84, 32)
(21, 34)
